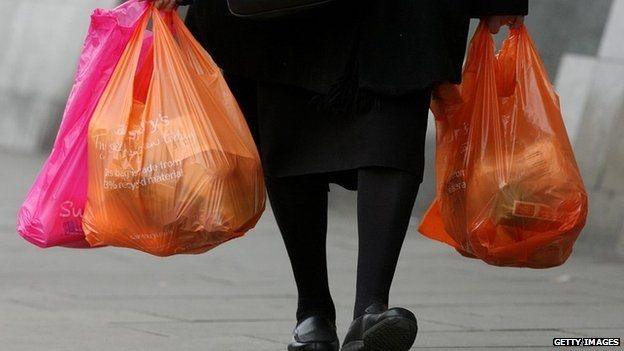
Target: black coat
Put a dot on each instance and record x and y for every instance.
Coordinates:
(392, 46)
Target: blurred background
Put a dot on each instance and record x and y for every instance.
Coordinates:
(582, 44)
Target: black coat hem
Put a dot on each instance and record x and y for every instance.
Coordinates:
(345, 176)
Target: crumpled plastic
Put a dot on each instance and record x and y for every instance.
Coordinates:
(173, 168)
(509, 191)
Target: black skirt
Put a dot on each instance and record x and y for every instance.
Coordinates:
(296, 137)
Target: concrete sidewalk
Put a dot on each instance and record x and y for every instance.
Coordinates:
(241, 295)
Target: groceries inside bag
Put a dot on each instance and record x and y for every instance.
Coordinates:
(509, 191)
(173, 168)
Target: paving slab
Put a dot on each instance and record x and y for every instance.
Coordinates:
(241, 296)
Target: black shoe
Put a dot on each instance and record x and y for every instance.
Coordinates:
(382, 329)
(314, 333)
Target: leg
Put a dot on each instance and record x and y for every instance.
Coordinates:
(300, 207)
(385, 200)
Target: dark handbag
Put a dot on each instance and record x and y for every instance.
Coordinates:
(263, 9)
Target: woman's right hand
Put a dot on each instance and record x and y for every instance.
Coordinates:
(165, 4)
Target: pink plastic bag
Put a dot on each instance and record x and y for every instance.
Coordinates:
(52, 212)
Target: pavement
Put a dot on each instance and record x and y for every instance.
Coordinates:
(241, 296)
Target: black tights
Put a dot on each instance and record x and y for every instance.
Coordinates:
(385, 200)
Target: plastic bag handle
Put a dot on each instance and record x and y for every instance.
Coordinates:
(481, 64)
(129, 61)
(506, 60)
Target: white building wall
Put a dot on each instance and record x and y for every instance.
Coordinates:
(39, 48)
(592, 94)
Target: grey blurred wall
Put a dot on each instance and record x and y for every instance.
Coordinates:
(592, 88)
(562, 27)
(39, 49)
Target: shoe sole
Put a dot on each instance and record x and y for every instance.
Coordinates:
(391, 334)
(314, 346)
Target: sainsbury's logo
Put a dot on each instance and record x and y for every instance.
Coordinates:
(69, 210)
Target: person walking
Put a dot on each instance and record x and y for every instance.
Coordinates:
(340, 94)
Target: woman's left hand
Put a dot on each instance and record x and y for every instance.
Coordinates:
(496, 22)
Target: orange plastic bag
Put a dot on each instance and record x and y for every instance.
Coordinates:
(172, 165)
(509, 191)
